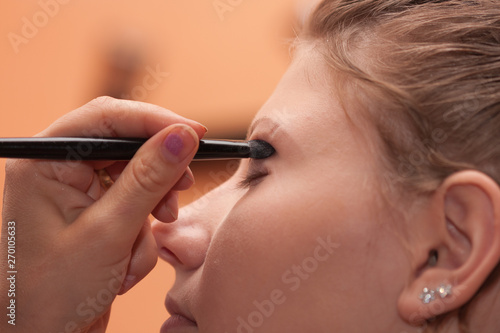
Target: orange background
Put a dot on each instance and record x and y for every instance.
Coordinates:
(220, 71)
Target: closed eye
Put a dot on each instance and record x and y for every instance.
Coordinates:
(253, 177)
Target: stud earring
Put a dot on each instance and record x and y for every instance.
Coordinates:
(429, 295)
(444, 290)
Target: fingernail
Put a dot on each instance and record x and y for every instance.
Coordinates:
(189, 175)
(179, 143)
(174, 144)
(203, 131)
(174, 214)
(202, 126)
(128, 283)
(172, 205)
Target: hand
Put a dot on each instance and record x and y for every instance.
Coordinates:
(77, 244)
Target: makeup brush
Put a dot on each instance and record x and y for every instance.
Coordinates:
(116, 149)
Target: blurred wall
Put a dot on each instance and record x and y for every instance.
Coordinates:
(216, 61)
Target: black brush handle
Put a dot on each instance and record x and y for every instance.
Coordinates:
(112, 149)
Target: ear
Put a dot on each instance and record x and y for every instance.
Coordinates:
(460, 224)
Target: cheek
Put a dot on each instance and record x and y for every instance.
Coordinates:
(279, 243)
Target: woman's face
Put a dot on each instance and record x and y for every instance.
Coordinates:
(305, 243)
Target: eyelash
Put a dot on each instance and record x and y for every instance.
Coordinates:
(251, 178)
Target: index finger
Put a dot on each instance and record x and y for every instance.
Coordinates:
(109, 117)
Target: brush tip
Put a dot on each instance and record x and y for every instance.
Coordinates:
(260, 149)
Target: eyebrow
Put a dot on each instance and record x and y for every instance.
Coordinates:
(265, 119)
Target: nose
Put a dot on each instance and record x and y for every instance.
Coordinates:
(184, 243)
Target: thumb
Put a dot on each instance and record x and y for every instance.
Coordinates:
(148, 177)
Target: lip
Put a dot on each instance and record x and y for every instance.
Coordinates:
(179, 318)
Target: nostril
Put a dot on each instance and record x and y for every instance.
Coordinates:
(182, 244)
(169, 256)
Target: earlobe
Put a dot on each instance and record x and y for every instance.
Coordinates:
(462, 227)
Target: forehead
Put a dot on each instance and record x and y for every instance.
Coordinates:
(305, 99)
(311, 115)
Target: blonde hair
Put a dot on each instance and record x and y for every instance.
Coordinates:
(431, 71)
